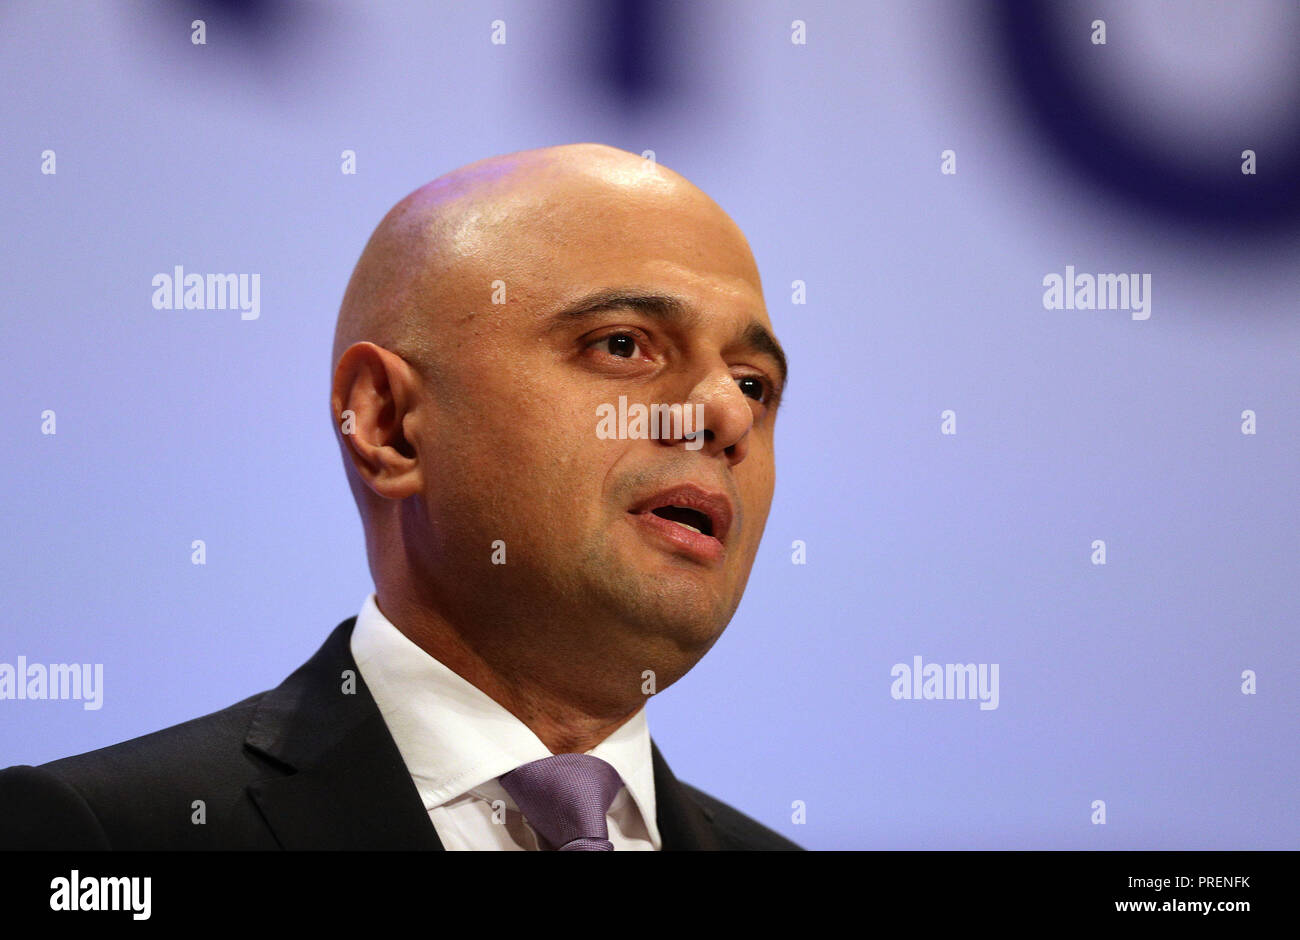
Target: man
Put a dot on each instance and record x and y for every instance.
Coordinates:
(538, 571)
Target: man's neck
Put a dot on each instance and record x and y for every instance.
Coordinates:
(565, 727)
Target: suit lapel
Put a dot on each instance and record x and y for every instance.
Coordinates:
(348, 787)
(684, 825)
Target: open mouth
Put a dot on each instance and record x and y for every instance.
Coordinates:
(691, 519)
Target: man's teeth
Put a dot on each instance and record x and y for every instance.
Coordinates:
(685, 526)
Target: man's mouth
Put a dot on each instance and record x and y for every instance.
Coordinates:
(692, 520)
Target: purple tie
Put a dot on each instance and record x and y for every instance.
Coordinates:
(565, 798)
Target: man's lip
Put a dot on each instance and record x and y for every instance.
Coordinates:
(696, 545)
(711, 503)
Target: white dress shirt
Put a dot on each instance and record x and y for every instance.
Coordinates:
(456, 741)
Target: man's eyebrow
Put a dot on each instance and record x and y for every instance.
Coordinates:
(668, 308)
(659, 306)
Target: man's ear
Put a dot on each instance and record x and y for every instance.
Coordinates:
(374, 400)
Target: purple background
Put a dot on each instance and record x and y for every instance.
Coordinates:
(1119, 683)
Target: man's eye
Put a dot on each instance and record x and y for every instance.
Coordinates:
(754, 387)
(622, 345)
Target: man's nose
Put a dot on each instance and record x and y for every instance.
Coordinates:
(724, 419)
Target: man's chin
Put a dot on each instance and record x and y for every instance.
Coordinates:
(677, 604)
(659, 593)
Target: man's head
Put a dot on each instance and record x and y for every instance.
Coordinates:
(494, 315)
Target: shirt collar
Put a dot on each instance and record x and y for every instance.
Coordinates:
(453, 737)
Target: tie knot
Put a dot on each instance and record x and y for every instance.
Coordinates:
(565, 798)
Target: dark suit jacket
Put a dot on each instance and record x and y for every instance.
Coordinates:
(302, 766)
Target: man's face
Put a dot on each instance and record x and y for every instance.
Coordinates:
(509, 440)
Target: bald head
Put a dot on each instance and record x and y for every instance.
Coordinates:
(493, 315)
(443, 239)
